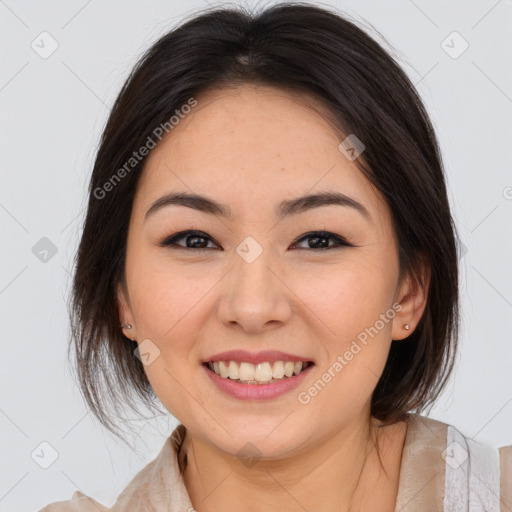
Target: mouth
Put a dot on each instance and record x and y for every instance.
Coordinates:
(243, 372)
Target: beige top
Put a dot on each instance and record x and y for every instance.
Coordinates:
(441, 471)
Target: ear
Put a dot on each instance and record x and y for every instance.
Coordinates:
(125, 311)
(412, 296)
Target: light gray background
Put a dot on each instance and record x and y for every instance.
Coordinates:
(52, 112)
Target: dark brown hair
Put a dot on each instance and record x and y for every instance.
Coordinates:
(295, 47)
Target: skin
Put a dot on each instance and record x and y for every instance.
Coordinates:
(251, 147)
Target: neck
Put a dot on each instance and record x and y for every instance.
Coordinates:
(353, 469)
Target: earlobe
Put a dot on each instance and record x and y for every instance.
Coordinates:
(413, 297)
(124, 312)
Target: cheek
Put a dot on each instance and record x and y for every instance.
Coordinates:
(165, 294)
(167, 305)
(164, 307)
(353, 305)
(349, 297)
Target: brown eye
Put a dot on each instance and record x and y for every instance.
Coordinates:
(321, 239)
(196, 240)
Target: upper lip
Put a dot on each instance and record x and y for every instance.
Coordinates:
(255, 358)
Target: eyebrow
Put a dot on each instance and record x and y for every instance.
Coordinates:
(285, 209)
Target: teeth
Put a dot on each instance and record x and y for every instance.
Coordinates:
(278, 370)
(223, 369)
(233, 370)
(257, 374)
(246, 371)
(263, 372)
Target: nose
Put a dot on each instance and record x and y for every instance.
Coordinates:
(255, 297)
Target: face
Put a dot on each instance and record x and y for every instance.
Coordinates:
(260, 279)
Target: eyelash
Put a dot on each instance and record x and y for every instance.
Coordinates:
(170, 242)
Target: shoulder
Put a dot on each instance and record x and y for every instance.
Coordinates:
(471, 472)
(78, 503)
(158, 483)
(135, 492)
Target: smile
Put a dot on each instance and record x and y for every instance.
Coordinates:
(261, 373)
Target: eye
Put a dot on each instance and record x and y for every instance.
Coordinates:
(322, 239)
(198, 240)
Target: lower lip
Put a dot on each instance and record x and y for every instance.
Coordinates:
(257, 391)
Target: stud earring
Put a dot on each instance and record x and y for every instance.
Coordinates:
(128, 326)
(406, 327)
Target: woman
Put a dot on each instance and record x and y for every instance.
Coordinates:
(269, 251)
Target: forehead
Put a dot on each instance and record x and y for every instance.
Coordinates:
(254, 145)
